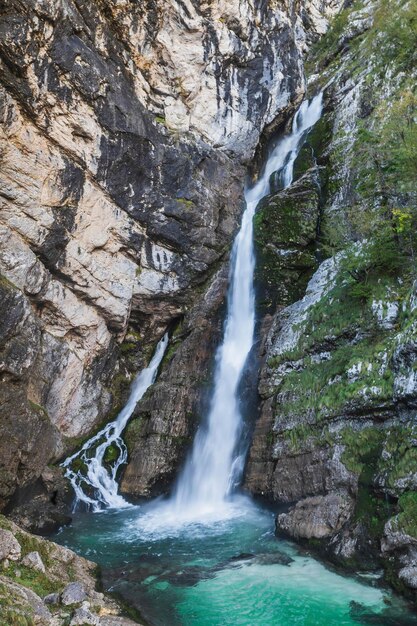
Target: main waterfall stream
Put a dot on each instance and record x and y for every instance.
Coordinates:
(208, 556)
(215, 465)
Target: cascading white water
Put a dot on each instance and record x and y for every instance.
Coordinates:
(213, 466)
(94, 477)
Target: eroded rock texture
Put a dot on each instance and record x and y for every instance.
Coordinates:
(125, 127)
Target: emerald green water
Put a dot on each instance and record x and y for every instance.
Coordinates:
(228, 570)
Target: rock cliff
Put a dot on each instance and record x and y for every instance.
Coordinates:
(125, 131)
(336, 433)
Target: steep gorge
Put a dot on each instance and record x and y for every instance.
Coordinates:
(127, 130)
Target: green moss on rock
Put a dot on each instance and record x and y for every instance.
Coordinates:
(285, 226)
(407, 518)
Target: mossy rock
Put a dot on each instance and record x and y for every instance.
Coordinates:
(407, 518)
(111, 454)
(78, 465)
(132, 433)
(38, 582)
(285, 226)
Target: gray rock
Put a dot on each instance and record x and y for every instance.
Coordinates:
(409, 576)
(318, 517)
(82, 617)
(113, 620)
(9, 546)
(52, 598)
(27, 599)
(73, 593)
(394, 539)
(34, 561)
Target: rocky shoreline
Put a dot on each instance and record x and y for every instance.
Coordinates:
(44, 584)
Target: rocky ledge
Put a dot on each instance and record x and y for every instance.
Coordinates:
(44, 584)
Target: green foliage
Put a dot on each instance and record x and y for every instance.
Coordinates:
(37, 581)
(407, 518)
(362, 448)
(328, 46)
(111, 454)
(127, 346)
(184, 202)
(4, 523)
(30, 543)
(38, 409)
(395, 34)
(15, 617)
(378, 259)
(132, 433)
(386, 150)
(401, 458)
(78, 465)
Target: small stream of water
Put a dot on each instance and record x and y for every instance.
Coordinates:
(95, 482)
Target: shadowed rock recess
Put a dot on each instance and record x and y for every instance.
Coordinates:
(127, 129)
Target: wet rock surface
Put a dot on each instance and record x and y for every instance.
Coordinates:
(316, 518)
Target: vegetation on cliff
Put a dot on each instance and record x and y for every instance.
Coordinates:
(340, 380)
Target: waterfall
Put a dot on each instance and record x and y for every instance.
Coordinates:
(93, 483)
(214, 466)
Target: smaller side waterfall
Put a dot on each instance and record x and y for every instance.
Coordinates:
(93, 483)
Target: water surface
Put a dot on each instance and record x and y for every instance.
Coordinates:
(228, 569)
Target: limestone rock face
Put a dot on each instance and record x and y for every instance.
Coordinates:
(9, 546)
(34, 561)
(286, 225)
(124, 132)
(165, 421)
(73, 594)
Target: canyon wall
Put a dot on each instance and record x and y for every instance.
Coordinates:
(125, 132)
(336, 437)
